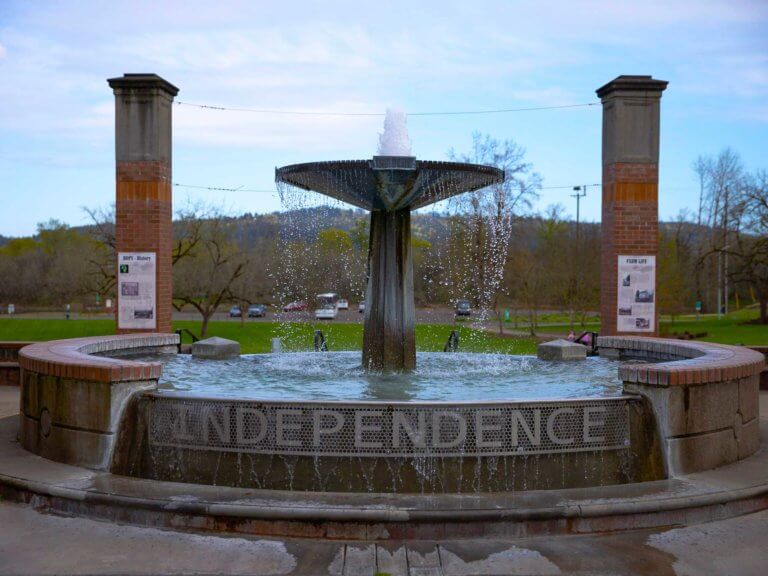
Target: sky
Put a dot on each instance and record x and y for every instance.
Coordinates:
(57, 112)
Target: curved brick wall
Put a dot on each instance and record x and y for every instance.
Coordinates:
(705, 397)
(72, 399)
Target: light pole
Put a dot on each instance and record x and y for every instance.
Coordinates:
(725, 247)
(581, 192)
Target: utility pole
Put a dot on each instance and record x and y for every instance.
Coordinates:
(581, 192)
(719, 284)
(725, 247)
(579, 195)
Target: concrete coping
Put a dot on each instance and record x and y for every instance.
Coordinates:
(732, 490)
(691, 362)
(74, 358)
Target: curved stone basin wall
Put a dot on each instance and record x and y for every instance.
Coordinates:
(705, 397)
(73, 397)
(697, 409)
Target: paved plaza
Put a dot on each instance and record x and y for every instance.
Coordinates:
(37, 543)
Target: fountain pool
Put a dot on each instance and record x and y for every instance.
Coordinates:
(339, 376)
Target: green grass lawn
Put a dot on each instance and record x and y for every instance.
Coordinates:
(255, 337)
(728, 330)
(38, 329)
(731, 329)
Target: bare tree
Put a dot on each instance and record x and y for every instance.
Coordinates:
(748, 237)
(720, 176)
(484, 218)
(103, 262)
(211, 263)
(702, 166)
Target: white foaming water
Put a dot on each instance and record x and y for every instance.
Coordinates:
(394, 141)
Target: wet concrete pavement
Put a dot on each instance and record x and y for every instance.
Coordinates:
(36, 543)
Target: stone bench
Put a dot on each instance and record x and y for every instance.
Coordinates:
(9, 362)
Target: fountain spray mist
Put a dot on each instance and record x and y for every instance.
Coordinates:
(394, 141)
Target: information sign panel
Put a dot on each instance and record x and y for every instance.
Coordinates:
(136, 281)
(636, 301)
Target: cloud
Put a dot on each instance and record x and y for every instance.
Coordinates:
(357, 57)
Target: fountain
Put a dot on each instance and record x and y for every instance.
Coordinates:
(319, 445)
(389, 185)
(453, 423)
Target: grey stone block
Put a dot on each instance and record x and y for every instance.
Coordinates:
(610, 353)
(685, 410)
(749, 397)
(702, 452)
(391, 559)
(80, 447)
(561, 350)
(359, 560)
(749, 438)
(216, 349)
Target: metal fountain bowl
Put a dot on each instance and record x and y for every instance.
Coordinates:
(389, 182)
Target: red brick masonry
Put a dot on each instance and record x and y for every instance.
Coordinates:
(143, 224)
(690, 362)
(75, 358)
(630, 227)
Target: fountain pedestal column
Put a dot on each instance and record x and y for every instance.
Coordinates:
(388, 336)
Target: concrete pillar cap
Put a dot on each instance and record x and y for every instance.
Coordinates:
(630, 83)
(140, 81)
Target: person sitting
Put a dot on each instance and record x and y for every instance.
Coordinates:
(585, 338)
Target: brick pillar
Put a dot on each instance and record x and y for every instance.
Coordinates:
(630, 221)
(143, 208)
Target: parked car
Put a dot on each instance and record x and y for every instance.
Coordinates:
(463, 308)
(235, 312)
(361, 307)
(297, 306)
(257, 311)
(327, 312)
(342, 304)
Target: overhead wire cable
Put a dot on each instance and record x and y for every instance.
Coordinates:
(243, 189)
(379, 114)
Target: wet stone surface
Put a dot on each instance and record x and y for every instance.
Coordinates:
(215, 349)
